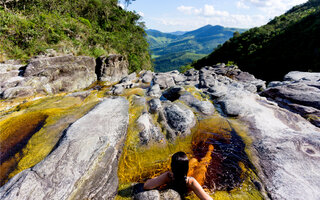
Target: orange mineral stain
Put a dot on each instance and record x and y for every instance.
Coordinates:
(198, 169)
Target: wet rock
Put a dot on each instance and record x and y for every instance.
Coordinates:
(164, 80)
(111, 68)
(84, 163)
(148, 195)
(148, 131)
(154, 91)
(155, 105)
(179, 118)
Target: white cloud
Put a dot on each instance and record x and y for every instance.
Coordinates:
(207, 10)
(268, 5)
(189, 10)
(242, 5)
(232, 20)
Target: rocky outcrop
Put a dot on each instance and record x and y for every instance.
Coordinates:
(283, 145)
(49, 75)
(111, 68)
(300, 93)
(52, 73)
(84, 163)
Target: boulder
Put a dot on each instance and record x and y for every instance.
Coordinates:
(148, 195)
(129, 79)
(179, 118)
(191, 77)
(50, 75)
(117, 89)
(147, 77)
(164, 80)
(203, 107)
(155, 105)
(17, 92)
(170, 195)
(84, 163)
(148, 131)
(154, 91)
(209, 74)
(111, 68)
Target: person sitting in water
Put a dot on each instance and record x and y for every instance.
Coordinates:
(177, 179)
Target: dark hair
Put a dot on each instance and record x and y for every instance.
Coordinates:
(180, 167)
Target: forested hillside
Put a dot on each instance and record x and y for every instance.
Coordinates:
(288, 42)
(84, 27)
(173, 50)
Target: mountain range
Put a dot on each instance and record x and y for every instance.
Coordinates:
(170, 51)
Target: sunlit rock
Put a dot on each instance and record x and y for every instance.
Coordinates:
(154, 91)
(147, 77)
(148, 195)
(179, 118)
(155, 105)
(300, 93)
(84, 163)
(164, 80)
(148, 131)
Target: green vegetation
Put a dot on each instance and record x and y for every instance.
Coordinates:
(84, 27)
(173, 50)
(287, 43)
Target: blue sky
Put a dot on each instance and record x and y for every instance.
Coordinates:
(186, 15)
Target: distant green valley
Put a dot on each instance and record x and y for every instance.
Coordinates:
(170, 51)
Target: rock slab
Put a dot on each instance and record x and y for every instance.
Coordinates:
(84, 162)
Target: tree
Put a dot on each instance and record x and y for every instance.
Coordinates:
(5, 2)
(128, 2)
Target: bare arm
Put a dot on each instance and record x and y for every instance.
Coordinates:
(198, 190)
(156, 182)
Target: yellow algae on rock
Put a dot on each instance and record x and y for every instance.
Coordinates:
(196, 93)
(55, 113)
(134, 91)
